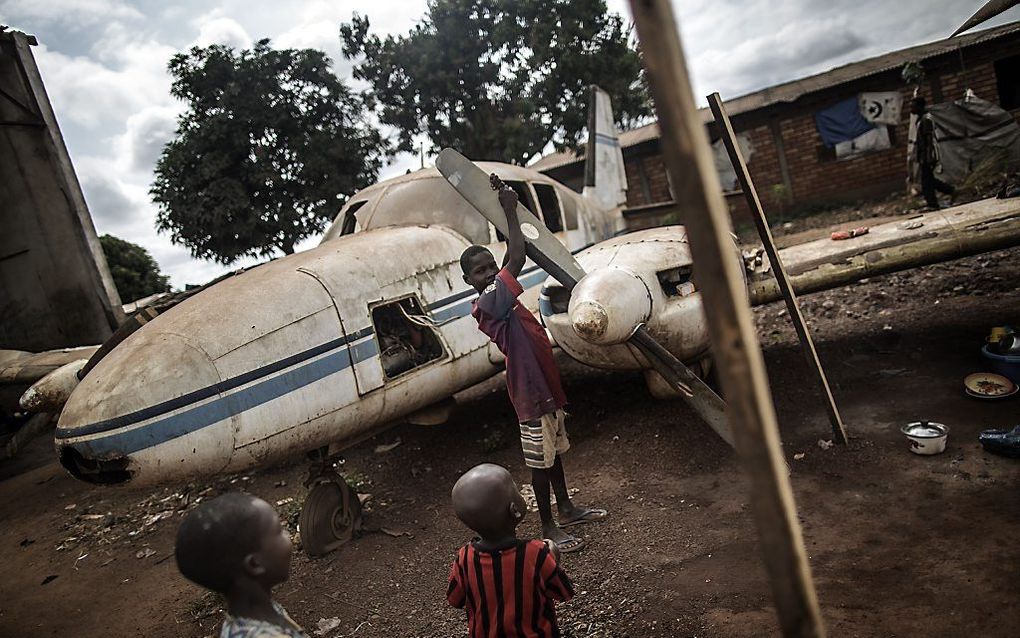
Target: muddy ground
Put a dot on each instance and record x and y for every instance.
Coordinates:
(900, 545)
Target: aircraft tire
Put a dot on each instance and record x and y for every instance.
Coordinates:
(330, 516)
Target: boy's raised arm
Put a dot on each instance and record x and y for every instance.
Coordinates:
(515, 256)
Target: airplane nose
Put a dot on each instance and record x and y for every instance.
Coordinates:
(608, 304)
(142, 410)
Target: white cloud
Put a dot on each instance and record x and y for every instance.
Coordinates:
(215, 28)
(76, 14)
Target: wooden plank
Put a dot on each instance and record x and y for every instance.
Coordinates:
(729, 138)
(741, 368)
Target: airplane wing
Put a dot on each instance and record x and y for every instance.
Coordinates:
(909, 242)
(25, 368)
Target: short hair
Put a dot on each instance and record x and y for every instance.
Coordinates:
(469, 254)
(480, 496)
(214, 539)
(918, 103)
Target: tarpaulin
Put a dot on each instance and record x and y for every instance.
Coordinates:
(971, 130)
(841, 122)
(881, 107)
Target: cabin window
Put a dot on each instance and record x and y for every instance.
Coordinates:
(550, 207)
(350, 220)
(524, 194)
(569, 211)
(407, 339)
(1007, 77)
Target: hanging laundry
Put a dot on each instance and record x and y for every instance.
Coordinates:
(876, 139)
(842, 122)
(881, 107)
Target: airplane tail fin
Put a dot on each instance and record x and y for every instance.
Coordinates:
(604, 177)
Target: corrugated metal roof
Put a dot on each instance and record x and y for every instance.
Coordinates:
(794, 90)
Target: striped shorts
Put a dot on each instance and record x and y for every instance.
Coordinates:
(542, 439)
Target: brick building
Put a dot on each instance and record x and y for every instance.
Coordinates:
(790, 165)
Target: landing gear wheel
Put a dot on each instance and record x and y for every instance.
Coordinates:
(330, 517)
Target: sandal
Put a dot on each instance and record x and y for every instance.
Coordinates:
(589, 515)
(573, 544)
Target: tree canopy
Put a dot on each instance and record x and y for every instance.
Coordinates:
(270, 144)
(135, 273)
(499, 79)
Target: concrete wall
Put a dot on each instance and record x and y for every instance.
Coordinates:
(55, 287)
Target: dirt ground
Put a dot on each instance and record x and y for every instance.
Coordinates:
(899, 545)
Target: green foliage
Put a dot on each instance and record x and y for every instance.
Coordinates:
(135, 273)
(499, 79)
(270, 144)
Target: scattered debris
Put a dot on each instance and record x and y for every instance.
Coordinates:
(71, 507)
(326, 626)
(840, 235)
(26, 542)
(49, 579)
(395, 533)
(798, 456)
(386, 447)
(913, 224)
(825, 445)
(145, 553)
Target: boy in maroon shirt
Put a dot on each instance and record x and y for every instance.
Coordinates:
(507, 586)
(532, 378)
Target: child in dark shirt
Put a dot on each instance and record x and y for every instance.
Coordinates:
(532, 378)
(508, 586)
(236, 546)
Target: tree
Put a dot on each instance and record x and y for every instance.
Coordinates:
(135, 273)
(269, 146)
(499, 79)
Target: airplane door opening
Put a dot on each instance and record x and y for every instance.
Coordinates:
(407, 341)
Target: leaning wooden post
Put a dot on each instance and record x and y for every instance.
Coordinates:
(729, 139)
(734, 343)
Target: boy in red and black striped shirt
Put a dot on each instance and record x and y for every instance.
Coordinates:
(508, 586)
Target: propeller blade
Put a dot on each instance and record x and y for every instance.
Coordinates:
(698, 395)
(550, 254)
(991, 9)
(541, 245)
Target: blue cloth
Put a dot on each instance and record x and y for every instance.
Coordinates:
(841, 122)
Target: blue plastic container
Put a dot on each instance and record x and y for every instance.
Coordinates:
(1005, 364)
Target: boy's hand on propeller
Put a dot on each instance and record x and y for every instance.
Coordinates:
(507, 196)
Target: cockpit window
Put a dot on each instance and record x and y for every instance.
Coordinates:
(550, 207)
(350, 221)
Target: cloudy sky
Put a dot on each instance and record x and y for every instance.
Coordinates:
(104, 64)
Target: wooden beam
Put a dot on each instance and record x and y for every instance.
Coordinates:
(735, 345)
(729, 139)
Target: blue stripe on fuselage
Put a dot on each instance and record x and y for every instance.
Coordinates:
(226, 405)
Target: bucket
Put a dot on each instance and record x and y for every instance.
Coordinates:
(1008, 365)
(926, 437)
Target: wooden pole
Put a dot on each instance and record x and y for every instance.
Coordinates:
(729, 139)
(741, 368)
